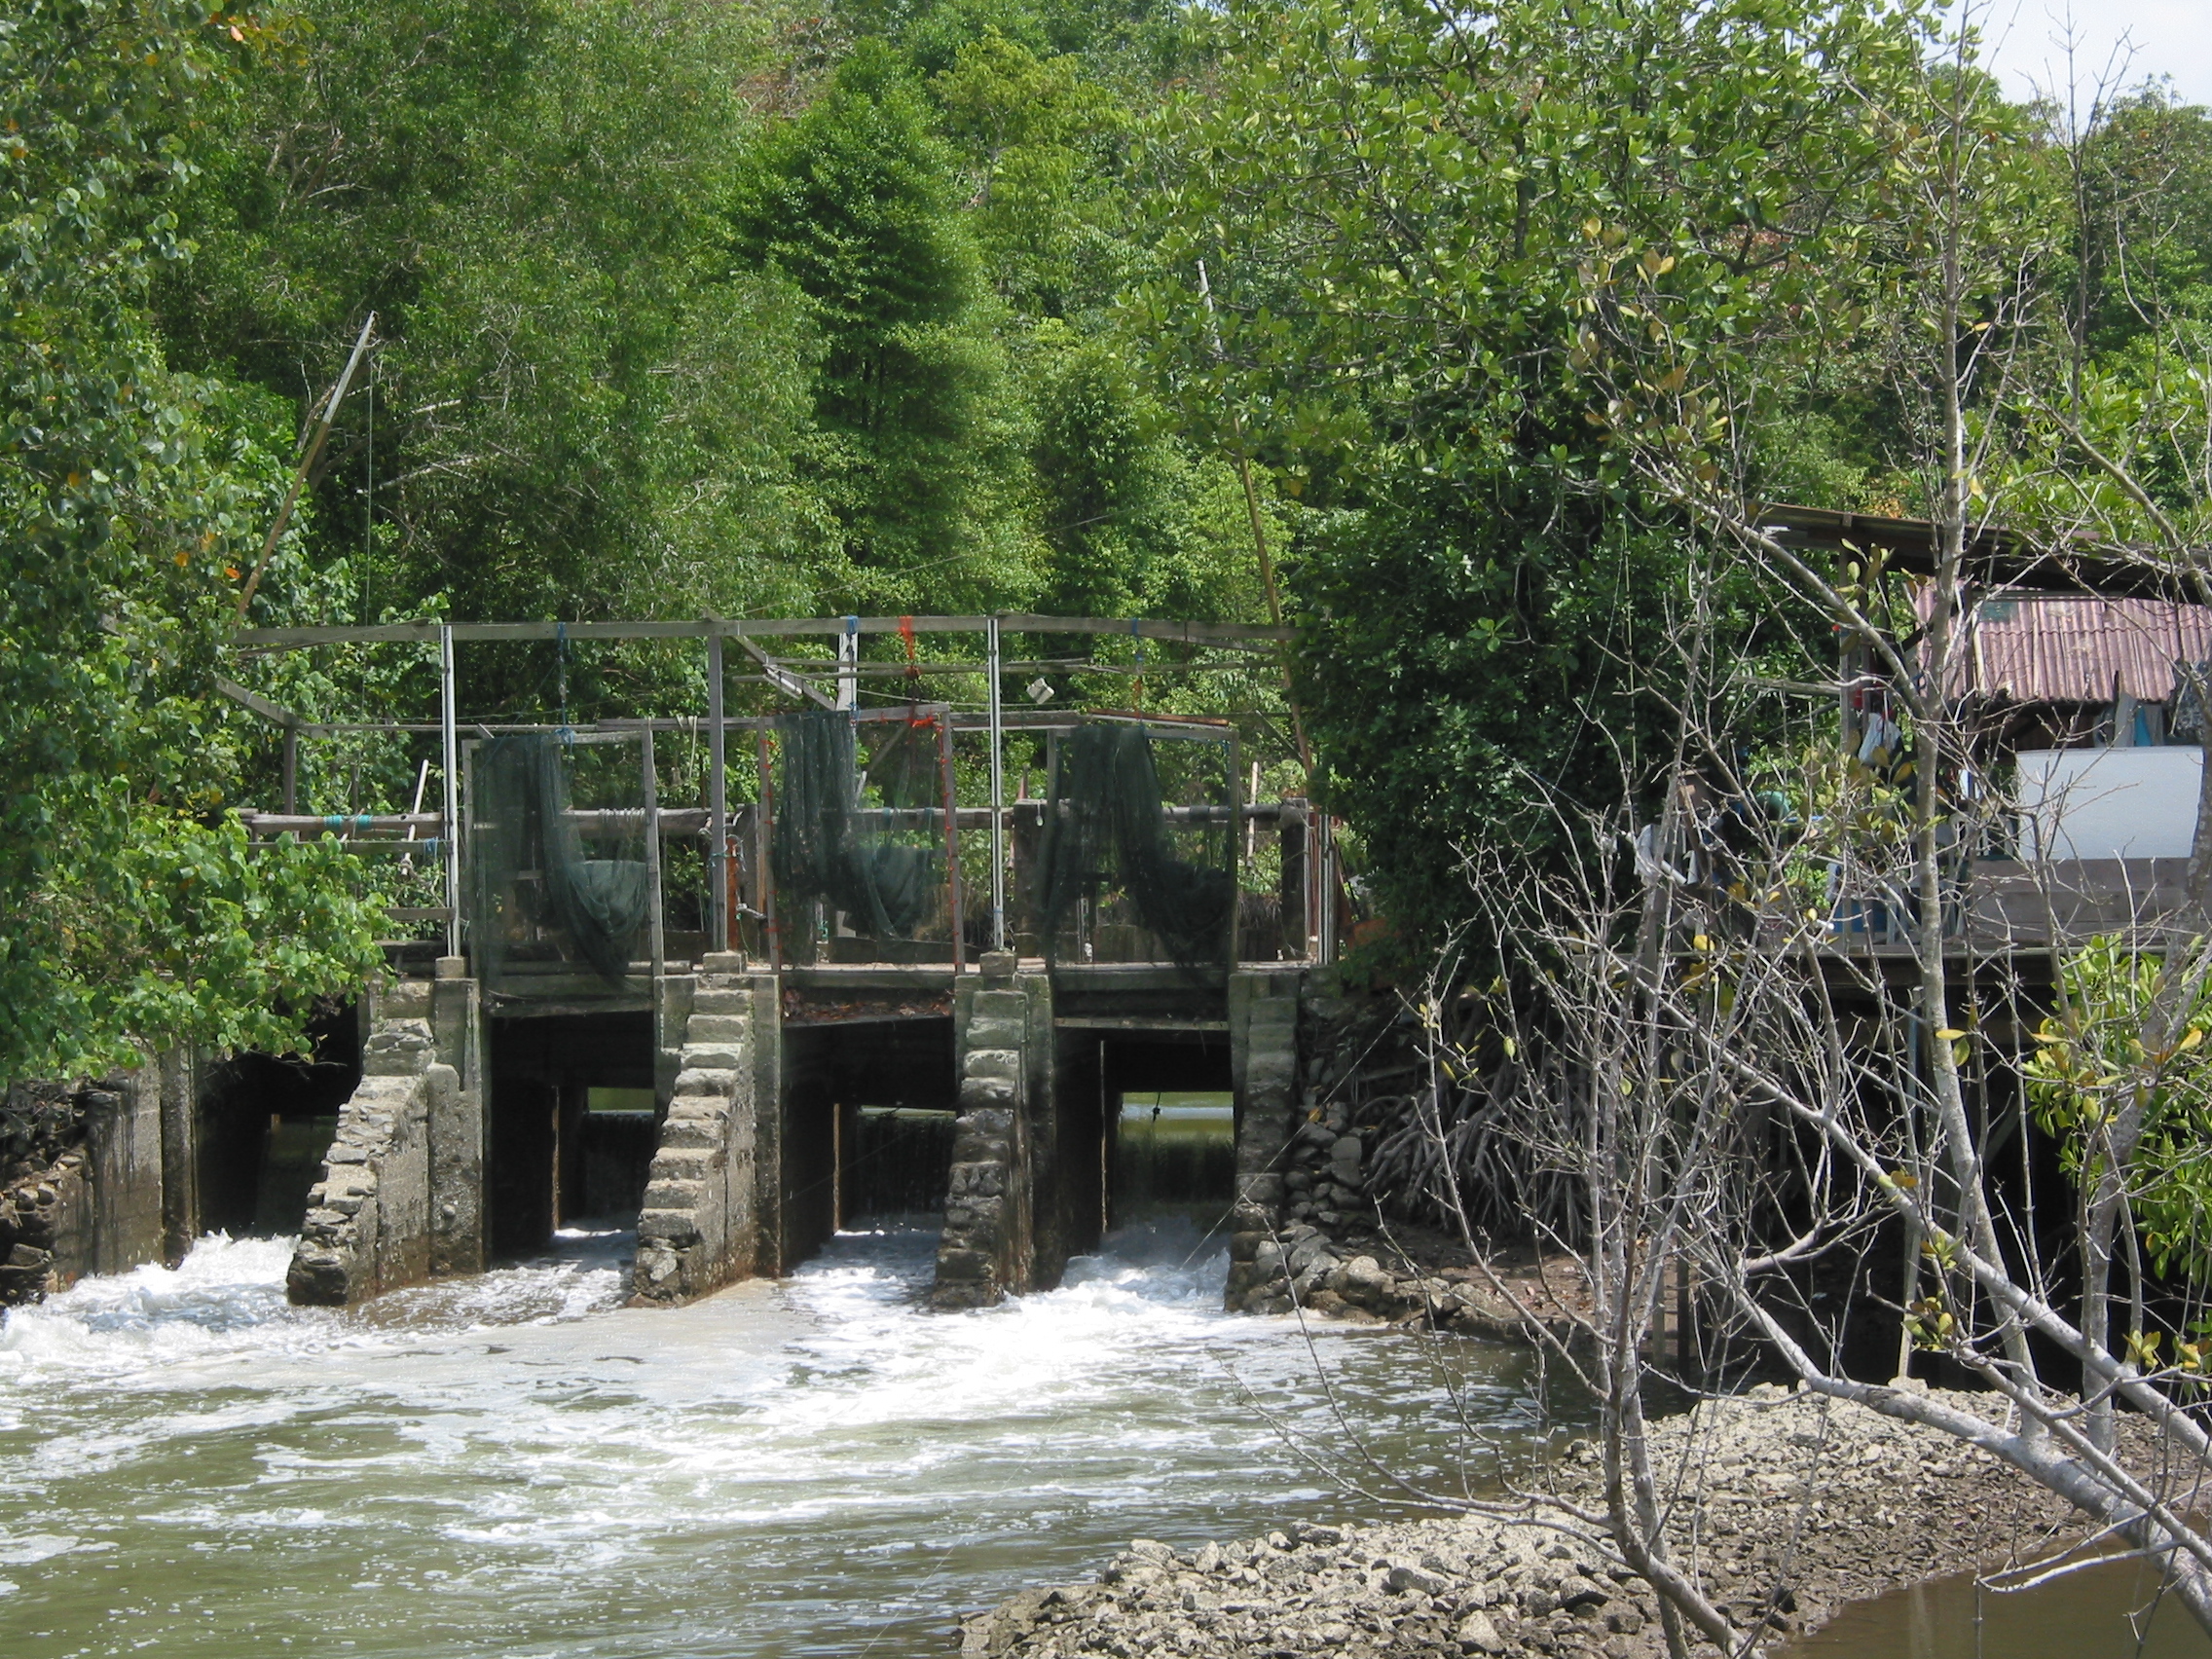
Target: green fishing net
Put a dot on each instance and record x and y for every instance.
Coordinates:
(1106, 826)
(535, 894)
(882, 866)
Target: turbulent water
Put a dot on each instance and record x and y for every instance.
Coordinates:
(516, 1465)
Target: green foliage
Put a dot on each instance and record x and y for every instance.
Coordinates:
(1455, 282)
(574, 409)
(2094, 1060)
(128, 495)
(1042, 144)
(856, 204)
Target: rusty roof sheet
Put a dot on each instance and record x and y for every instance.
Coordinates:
(2041, 649)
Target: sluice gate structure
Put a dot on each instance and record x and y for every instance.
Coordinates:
(749, 978)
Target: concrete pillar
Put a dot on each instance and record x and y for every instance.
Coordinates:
(989, 1248)
(457, 1126)
(180, 1151)
(369, 1221)
(702, 1225)
(1263, 1049)
(122, 1146)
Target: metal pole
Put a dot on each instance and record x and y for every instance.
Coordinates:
(1236, 846)
(653, 930)
(951, 840)
(848, 665)
(998, 796)
(718, 800)
(764, 831)
(292, 767)
(450, 736)
(1326, 881)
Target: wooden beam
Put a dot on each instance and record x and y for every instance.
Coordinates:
(481, 633)
(256, 703)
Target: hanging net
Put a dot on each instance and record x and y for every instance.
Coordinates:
(1106, 826)
(882, 866)
(536, 894)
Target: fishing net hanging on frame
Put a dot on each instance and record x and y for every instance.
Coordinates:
(1107, 826)
(831, 845)
(531, 872)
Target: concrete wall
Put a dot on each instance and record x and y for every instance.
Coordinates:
(987, 1249)
(88, 1199)
(401, 1198)
(458, 1132)
(701, 1226)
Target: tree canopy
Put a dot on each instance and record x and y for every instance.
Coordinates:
(684, 309)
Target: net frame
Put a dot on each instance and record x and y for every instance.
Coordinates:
(1107, 828)
(878, 864)
(534, 894)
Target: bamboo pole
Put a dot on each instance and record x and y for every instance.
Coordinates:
(997, 714)
(306, 467)
(718, 798)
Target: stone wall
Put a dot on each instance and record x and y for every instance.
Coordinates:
(80, 1182)
(401, 1198)
(701, 1225)
(1263, 1035)
(368, 1227)
(987, 1249)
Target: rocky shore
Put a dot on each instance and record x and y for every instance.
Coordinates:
(1788, 1507)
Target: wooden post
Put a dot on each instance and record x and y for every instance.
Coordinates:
(998, 792)
(764, 831)
(653, 922)
(1324, 853)
(449, 734)
(849, 665)
(718, 802)
(1292, 835)
(1236, 847)
(952, 840)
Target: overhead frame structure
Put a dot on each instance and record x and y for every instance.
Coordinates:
(794, 676)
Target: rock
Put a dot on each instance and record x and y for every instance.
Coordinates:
(1418, 1580)
(1363, 1282)
(1577, 1593)
(1477, 1635)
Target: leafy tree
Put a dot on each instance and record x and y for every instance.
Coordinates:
(2125, 1088)
(1410, 228)
(128, 495)
(573, 408)
(1040, 141)
(856, 204)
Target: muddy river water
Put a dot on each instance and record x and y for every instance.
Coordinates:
(519, 1465)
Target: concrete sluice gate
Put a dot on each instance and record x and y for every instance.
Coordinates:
(738, 1118)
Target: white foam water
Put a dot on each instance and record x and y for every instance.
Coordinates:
(517, 1464)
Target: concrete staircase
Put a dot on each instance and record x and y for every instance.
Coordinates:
(699, 1228)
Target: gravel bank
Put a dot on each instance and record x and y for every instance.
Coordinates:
(1790, 1507)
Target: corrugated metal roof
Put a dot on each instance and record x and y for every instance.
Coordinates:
(2074, 650)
